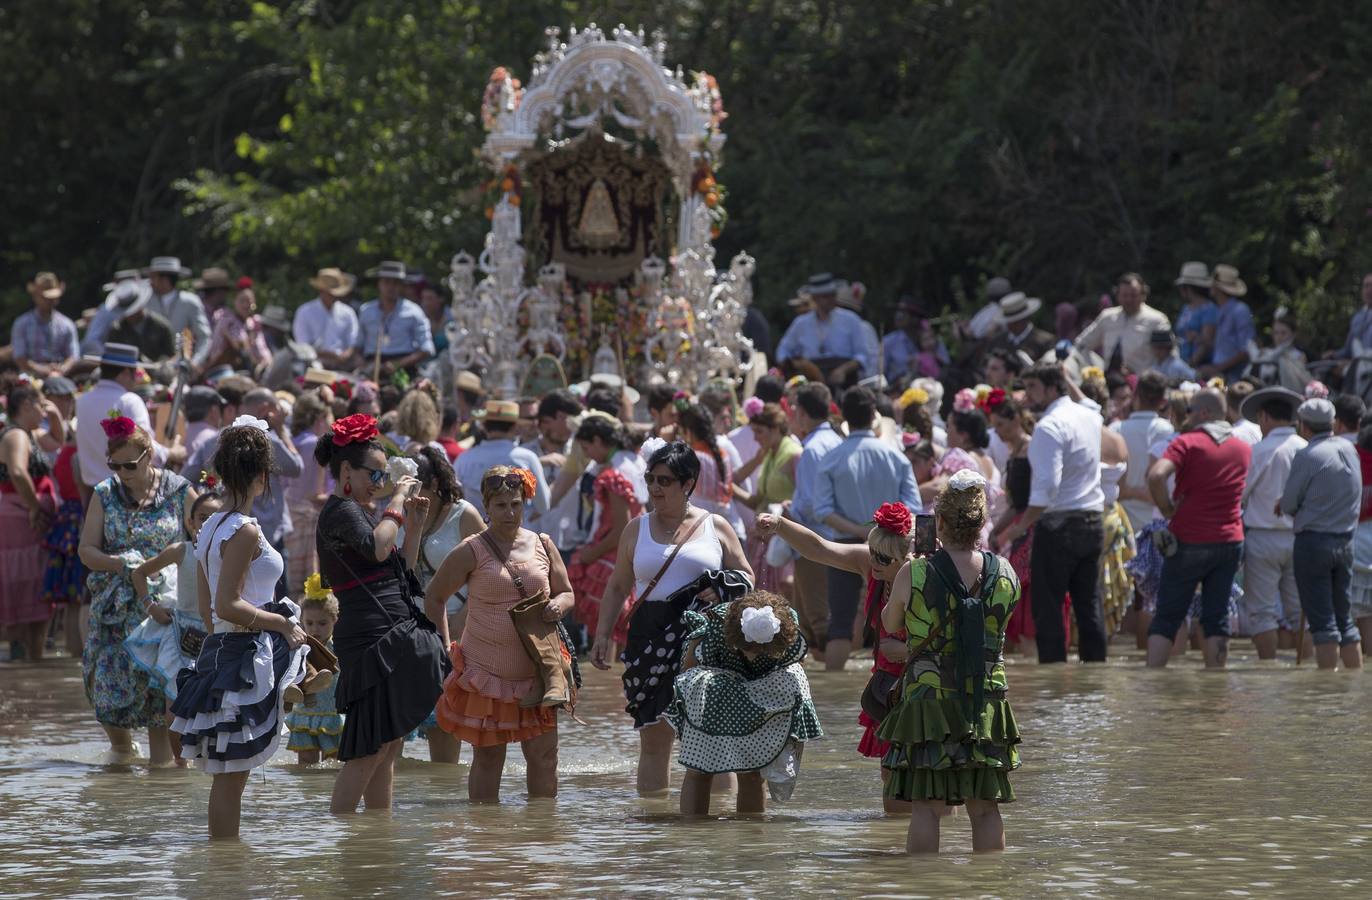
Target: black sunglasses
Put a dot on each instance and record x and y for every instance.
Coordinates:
(128, 466)
(662, 480)
(881, 559)
(512, 480)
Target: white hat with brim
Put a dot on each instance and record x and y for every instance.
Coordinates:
(823, 283)
(120, 276)
(129, 297)
(1226, 278)
(609, 380)
(1254, 401)
(167, 265)
(1015, 307)
(1194, 274)
(388, 269)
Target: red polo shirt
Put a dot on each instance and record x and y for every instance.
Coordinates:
(1209, 487)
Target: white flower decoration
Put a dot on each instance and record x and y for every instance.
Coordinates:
(246, 421)
(760, 624)
(398, 467)
(651, 446)
(966, 479)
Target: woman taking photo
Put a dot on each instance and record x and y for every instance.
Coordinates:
(617, 491)
(449, 522)
(886, 551)
(136, 514)
(775, 464)
(677, 558)
(497, 694)
(390, 658)
(229, 704)
(952, 733)
(27, 506)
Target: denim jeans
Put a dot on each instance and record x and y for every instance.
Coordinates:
(1065, 557)
(1324, 568)
(1213, 567)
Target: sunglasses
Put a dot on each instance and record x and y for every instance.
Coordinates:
(662, 481)
(128, 466)
(376, 476)
(881, 559)
(494, 482)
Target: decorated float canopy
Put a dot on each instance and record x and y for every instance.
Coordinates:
(603, 167)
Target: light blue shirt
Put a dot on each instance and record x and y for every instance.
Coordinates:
(106, 317)
(1190, 323)
(183, 310)
(53, 341)
(1233, 333)
(405, 327)
(1359, 329)
(862, 473)
(334, 329)
(841, 337)
(815, 446)
(472, 464)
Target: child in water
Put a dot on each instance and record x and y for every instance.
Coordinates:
(316, 724)
(742, 701)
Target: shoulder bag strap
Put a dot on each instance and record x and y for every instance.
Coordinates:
(504, 561)
(676, 548)
(937, 629)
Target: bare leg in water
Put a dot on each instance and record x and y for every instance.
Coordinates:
(540, 758)
(924, 826)
(483, 779)
(226, 803)
(355, 780)
(654, 759)
(988, 831)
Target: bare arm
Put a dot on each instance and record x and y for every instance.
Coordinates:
(1158, 473)
(616, 589)
(734, 557)
(15, 451)
(452, 574)
(91, 549)
(237, 555)
(893, 613)
(849, 557)
(566, 478)
(471, 522)
(560, 595)
(619, 517)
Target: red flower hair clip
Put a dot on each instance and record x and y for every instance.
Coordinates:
(994, 397)
(530, 483)
(118, 426)
(893, 517)
(353, 429)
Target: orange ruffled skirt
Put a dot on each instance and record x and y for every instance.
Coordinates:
(483, 710)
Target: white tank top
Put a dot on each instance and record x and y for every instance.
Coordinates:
(698, 556)
(1110, 475)
(259, 588)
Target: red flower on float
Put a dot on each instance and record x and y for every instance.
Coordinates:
(893, 517)
(353, 429)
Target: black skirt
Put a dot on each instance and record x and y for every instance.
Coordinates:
(652, 653)
(391, 665)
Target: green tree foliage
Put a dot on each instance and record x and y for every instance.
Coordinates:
(916, 145)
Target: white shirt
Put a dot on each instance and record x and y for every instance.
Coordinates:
(91, 442)
(1131, 334)
(333, 330)
(1140, 432)
(1064, 454)
(743, 441)
(1267, 478)
(1248, 432)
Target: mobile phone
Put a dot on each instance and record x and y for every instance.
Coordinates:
(926, 535)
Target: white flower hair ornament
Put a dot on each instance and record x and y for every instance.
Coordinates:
(651, 446)
(760, 624)
(246, 421)
(966, 479)
(398, 467)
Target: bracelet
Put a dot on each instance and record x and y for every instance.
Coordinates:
(253, 620)
(397, 518)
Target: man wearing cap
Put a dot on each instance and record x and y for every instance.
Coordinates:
(213, 286)
(327, 323)
(139, 325)
(44, 341)
(1020, 336)
(114, 392)
(1323, 495)
(181, 309)
(1234, 329)
(104, 317)
(1121, 334)
(204, 408)
(1195, 326)
(1166, 363)
(832, 339)
(1269, 575)
(1205, 516)
(498, 420)
(397, 323)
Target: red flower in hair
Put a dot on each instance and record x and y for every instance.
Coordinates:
(354, 428)
(893, 517)
(118, 427)
(995, 397)
(343, 388)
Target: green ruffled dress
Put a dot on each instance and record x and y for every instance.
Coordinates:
(734, 714)
(949, 740)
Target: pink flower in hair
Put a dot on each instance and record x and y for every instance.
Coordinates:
(752, 406)
(1316, 389)
(965, 400)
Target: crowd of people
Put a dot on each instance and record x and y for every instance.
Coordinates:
(350, 543)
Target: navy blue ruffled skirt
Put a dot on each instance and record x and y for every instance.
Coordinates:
(228, 705)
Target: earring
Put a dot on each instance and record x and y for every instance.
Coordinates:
(347, 488)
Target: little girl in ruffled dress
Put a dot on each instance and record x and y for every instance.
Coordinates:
(742, 701)
(169, 639)
(316, 724)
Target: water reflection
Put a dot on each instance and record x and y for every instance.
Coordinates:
(1176, 780)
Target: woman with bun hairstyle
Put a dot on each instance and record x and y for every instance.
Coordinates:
(952, 735)
(135, 514)
(229, 704)
(886, 551)
(391, 659)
